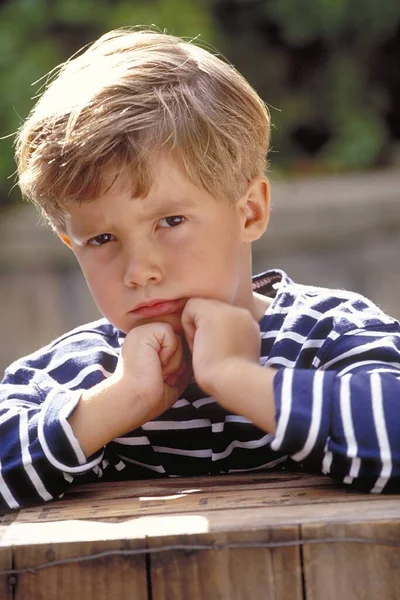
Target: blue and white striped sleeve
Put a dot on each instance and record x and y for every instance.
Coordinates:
(39, 454)
(343, 418)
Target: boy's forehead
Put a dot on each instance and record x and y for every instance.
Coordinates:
(170, 191)
(165, 180)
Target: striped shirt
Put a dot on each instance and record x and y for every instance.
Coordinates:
(337, 396)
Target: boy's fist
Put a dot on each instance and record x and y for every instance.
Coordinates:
(218, 333)
(153, 368)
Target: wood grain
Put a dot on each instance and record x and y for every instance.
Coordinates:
(214, 510)
(352, 571)
(5, 581)
(128, 499)
(109, 578)
(231, 573)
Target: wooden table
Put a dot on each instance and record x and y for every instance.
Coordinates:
(251, 536)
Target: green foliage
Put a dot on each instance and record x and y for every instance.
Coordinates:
(321, 67)
(303, 20)
(312, 59)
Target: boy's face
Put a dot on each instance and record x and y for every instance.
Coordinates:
(144, 258)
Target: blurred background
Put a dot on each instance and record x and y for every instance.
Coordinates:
(330, 73)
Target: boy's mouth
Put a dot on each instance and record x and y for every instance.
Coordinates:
(157, 308)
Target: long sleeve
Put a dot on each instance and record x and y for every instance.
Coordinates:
(39, 454)
(343, 417)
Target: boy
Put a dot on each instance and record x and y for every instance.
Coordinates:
(147, 156)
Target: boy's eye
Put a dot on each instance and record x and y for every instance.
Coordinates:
(100, 240)
(173, 221)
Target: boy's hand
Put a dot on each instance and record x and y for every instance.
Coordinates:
(218, 334)
(225, 342)
(153, 368)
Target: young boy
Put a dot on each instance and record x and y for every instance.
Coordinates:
(147, 156)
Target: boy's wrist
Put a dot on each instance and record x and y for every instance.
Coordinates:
(246, 388)
(225, 377)
(222, 377)
(106, 411)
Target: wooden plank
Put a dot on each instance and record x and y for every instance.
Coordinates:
(198, 522)
(119, 577)
(6, 581)
(220, 510)
(216, 482)
(5, 522)
(6, 559)
(229, 573)
(259, 518)
(348, 570)
(180, 502)
(124, 513)
(127, 502)
(93, 494)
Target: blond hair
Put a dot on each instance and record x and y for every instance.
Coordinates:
(130, 96)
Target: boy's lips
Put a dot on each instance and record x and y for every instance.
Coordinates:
(156, 308)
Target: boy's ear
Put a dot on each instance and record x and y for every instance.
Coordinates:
(64, 238)
(255, 209)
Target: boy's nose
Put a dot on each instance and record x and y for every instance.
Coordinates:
(141, 269)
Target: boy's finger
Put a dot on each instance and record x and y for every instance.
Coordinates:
(172, 378)
(189, 324)
(174, 361)
(169, 344)
(181, 378)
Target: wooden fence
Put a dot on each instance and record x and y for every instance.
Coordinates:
(265, 536)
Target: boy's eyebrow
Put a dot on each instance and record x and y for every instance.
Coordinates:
(153, 209)
(85, 230)
(169, 206)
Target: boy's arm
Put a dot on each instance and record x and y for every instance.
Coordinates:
(39, 455)
(152, 371)
(341, 418)
(50, 434)
(225, 343)
(247, 389)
